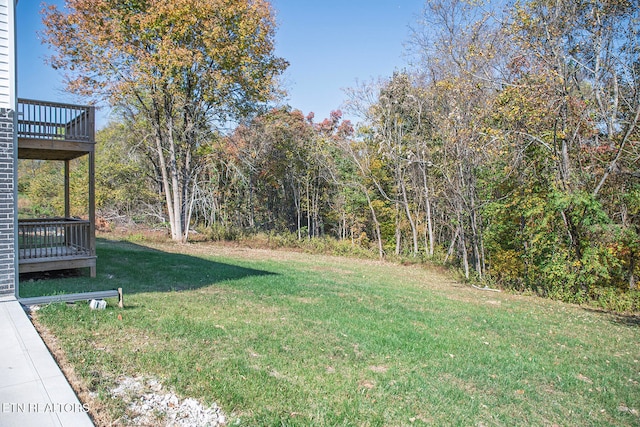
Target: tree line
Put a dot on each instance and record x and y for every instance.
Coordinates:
(510, 148)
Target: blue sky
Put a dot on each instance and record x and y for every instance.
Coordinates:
(330, 45)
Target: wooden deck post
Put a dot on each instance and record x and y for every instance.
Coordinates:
(92, 188)
(67, 189)
(92, 208)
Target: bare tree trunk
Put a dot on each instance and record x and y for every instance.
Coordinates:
(632, 269)
(251, 210)
(316, 212)
(429, 220)
(296, 202)
(174, 188)
(189, 213)
(376, 224)
(476, 235)
(476, 246)
(463, 252)
(166, 187)
(414, 231)
(452, 245)
(308, 211)
(398, 231)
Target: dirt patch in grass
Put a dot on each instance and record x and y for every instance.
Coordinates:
(380, 369)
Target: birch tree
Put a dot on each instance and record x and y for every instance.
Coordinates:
(182, 66)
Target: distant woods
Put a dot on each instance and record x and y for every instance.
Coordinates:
(511, 150)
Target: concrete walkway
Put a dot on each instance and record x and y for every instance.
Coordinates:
(33, 390)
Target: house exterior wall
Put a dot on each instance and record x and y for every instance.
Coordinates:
(8, 151)
(7, 204)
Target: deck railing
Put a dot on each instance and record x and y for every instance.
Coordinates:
(53, 238)
(55, 121)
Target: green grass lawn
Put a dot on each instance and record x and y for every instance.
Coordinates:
(281, 338)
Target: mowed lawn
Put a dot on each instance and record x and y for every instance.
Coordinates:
(283, 338)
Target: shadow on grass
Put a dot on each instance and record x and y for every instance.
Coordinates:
(135, 269)
(626, 319)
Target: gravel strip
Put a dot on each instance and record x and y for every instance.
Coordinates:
(148, 405)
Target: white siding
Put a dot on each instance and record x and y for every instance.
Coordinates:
(7, 55)
(8, 151)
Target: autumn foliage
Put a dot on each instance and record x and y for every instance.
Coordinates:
(510, 152)
(181, 66)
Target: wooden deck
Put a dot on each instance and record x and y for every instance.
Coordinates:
(54, 131)
(55, 244)
(58, 132)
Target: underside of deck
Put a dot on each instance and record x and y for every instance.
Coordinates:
(58, 263)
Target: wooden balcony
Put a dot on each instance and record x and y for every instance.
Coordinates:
(57, 132)
(54, 131)
(54, 244)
